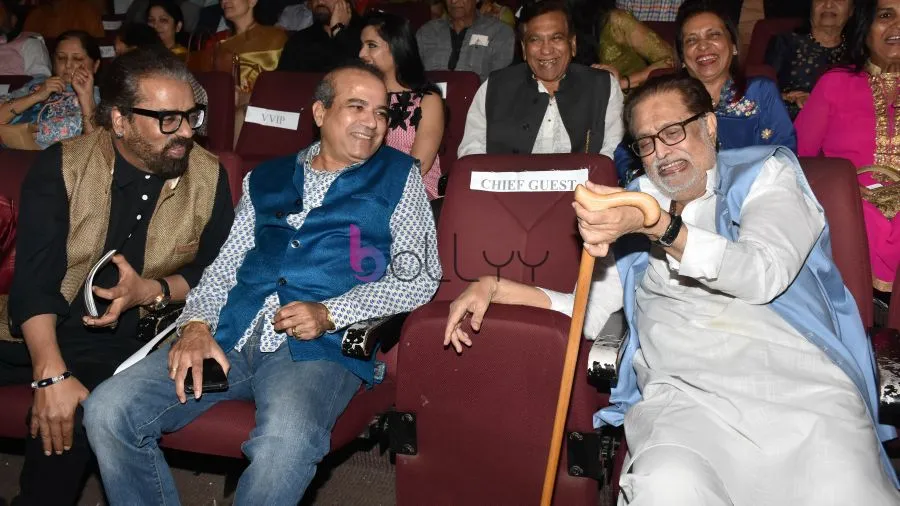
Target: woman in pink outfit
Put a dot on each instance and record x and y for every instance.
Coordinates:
(416, 122)
(852, 114)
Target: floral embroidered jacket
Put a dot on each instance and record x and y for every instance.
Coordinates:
(758, 118)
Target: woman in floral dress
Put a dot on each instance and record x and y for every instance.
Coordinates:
(60, 106)
(416, 123)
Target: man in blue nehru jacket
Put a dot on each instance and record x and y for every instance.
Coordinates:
(334, 235)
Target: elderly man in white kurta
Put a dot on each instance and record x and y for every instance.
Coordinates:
(751, 382)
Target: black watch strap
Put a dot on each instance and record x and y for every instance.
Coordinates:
(671, 233)
(668, 238)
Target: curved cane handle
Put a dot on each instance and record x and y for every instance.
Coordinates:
(594, 202)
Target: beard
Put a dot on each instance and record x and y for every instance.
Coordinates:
(160, 163)
(694, 178)
(670, 188)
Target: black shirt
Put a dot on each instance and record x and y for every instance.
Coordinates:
(456, 42)
(41, 243)
(312, 50)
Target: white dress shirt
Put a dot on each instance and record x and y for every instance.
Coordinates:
(552, 137)
(722, 375)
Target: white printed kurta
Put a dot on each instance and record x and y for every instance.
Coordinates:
(724, 376)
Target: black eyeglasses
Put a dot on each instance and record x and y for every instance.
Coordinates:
(170, 121)
(670, 136)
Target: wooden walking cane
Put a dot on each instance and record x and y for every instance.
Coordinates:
(592, 202)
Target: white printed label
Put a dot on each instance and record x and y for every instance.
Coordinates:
(443, 87)
(272, 118)
(528, 181)
(107, 52)
(478, 40)
(111, 26)
(4, 89)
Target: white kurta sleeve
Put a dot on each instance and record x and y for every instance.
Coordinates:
(614, 127)
(604, 299)
(474, 139)
(779, 226)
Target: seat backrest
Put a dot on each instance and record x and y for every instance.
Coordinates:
(481, 230)
(8, 219)
(418, 13)
(14, 82)
(501, 393)
(15, 164)
(761, 70)
(460, 88)
(667, 30)
(279, 93)
(112, 23)
(763, 32)
(833, 180)
(234, 168)
(219, 88)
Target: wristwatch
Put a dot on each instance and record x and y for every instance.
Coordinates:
(671, 233)
(163, 299)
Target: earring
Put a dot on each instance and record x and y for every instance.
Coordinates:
(119, 135)
(734, 51)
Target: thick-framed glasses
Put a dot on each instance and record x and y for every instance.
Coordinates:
(670, 136)
(170, 121)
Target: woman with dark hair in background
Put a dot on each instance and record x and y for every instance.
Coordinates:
(852, 114)
(612, 39)
(750, 112)
(416, 117)
(802, 56)
(166, 18)
(61, 106)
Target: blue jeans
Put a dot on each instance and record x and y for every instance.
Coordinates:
(297, 404)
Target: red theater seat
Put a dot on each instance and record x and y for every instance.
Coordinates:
(763, 32)
(483, 420)
(417, 12)
(16, 400)
(461, 87)
(667, 30)
(289, 92)
(14, 82)
(833, 180)
(219, 88)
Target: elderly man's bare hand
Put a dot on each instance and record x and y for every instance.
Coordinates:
(474, 301)
(599, 229)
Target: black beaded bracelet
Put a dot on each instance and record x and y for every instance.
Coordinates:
(46, 382)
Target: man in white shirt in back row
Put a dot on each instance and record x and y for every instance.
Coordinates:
(547, 104)
(747, 376)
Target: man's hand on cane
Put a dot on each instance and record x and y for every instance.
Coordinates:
(600, 228)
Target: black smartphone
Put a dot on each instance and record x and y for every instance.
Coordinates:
(214, 379)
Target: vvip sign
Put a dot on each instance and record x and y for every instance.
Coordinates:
(528, 181)
(272, 118)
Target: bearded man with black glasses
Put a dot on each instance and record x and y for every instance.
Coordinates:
(139, 185)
